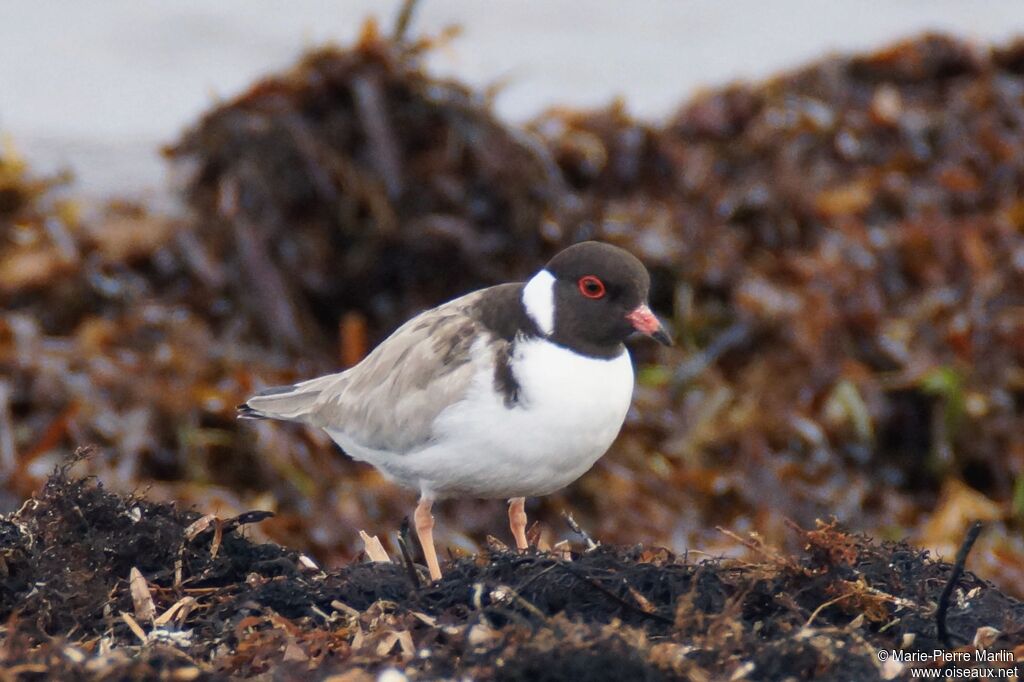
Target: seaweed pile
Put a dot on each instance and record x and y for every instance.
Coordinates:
(350, 182)
(839, 250)
(148, 591)
(842, 247)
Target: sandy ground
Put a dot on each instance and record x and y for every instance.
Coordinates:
(98, 87)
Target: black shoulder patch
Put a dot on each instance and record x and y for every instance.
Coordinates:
(501, 311)
(505, 383)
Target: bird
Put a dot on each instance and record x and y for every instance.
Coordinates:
(507, 392)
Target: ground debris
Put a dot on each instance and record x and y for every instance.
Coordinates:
(601, 613)
(349, 182)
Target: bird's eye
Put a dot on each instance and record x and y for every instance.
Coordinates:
(591, 287)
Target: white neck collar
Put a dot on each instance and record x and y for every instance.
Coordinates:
(539, 301)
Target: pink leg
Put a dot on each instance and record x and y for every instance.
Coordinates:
(424, 521)
(517, 521)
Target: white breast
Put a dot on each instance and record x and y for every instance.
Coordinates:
(570, 410)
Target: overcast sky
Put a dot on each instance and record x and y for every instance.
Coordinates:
(99, 86)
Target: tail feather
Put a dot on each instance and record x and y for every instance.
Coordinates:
(246, 412)
(292, 403)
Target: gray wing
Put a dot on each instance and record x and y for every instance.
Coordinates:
(389, 400)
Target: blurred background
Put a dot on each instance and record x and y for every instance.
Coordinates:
(197, 200)
(99, 89)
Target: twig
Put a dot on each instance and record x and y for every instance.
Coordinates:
(505, 592)
(373, 113)
(403, 20)
(403, 546)
(569, 568)
(178, 611)
(958, 569)
(134, 626)
(752, 546)
(591, 543)
(266, 283)
(344, 608)
(197, 527)
(536, 576)
(218, 537)
(756, 545)
(222, 526)
(245, 518)
(374, 550)
(824, 606)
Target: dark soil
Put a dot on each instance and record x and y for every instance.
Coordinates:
(607, 613)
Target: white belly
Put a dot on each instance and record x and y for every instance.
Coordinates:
(570, 410)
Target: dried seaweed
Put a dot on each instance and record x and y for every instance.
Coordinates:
(840, 245)
(235, 607)
(362, 178)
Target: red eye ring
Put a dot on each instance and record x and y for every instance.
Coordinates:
(591, 287)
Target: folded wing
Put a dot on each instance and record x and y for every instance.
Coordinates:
(389, 400)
